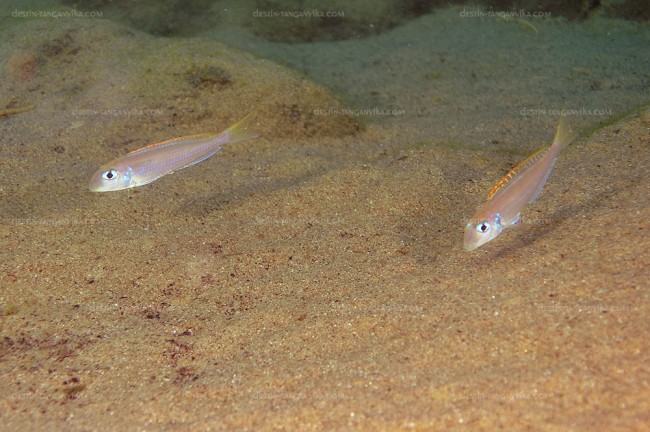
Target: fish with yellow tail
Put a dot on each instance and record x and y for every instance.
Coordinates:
(522, 185)
(149, 163)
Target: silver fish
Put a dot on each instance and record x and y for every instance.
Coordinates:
(522, 185)
(149, 163)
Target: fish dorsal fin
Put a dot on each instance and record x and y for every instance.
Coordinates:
(519, 169)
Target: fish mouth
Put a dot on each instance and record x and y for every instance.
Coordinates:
(469, 240)
(95, 186)
(470, 246)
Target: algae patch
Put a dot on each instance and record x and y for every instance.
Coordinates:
(209, 77)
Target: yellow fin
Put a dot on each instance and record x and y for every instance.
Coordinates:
(242, 130)
(564, 135)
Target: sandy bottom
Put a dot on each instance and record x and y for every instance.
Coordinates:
(312, 280)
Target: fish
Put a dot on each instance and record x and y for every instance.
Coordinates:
(145, 165)
(520, 186)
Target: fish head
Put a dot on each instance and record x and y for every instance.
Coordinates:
(108, 178)
(480, 231)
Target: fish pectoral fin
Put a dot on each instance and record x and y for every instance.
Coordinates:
(517, 219)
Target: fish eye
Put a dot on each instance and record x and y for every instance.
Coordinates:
(110, 174)
(483, 227)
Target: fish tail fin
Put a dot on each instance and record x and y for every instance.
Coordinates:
(564, 134)
(242, 130)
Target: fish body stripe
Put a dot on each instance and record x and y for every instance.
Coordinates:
(521, 166)
(170, 142)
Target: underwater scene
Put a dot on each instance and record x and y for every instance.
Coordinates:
(371, 215)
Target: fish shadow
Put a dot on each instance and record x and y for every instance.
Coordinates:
(536, 232)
